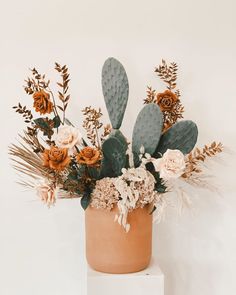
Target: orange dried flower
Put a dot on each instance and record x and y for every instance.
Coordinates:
(166, 100)
(56, 158)
(89, 156)
(42, 102)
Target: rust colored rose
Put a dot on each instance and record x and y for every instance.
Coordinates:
(166, 100)
(42, 102)
(89, 156)
(56, 158)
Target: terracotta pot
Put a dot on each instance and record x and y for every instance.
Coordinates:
(110, 249)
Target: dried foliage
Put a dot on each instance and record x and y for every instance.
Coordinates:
(27, 115)
(31, 139)
(198, 156)
(63, 94)
(170, 116)
(168, 73)
(106, 131)
(92, 124)
(66, 163)
(151, 95)
(28, 162)
(170, 98)
(36, 83)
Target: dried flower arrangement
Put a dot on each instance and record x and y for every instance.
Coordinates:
(101, 167)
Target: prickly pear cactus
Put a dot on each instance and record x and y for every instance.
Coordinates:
(114, 154)
(182, 136)
(115, 88)
(147, 129)
(106, 169)
(119, 135)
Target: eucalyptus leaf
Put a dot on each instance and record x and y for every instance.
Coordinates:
(85, 201)
(42, 123)
(56, 121)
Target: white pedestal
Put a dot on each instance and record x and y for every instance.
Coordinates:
(146, 282)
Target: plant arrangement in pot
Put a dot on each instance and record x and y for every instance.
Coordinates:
(121, 183)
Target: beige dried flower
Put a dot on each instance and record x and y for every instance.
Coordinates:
(105, 195)
(46, 192)
(136, 188)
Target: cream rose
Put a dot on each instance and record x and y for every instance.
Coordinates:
(171, 165)
(68, 137)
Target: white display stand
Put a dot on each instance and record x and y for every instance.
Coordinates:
(147, 282)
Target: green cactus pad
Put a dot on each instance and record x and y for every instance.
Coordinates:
(147, 129)
(119, 135)
(106, 169)
(114, 154)
(115, 88)
(181, 136)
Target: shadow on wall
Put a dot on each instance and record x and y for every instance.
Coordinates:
(191, 249)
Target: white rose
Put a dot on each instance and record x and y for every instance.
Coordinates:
(171, 165)
(68, 137)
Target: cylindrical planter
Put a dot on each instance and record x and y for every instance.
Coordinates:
(110, 249)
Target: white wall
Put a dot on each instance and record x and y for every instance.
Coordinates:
(41, 251)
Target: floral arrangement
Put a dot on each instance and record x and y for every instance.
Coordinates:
(100, 165)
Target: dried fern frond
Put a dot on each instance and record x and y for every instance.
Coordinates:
(63, 94)
(198, 156)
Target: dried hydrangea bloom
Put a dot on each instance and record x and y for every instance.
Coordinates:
(105, 195)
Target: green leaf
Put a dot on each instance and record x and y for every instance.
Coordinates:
(42, 123)
(84, 142)
(160, 188)
(85, 200)
(73, 175)
(56, 121)
(153, 209)
(94, 172)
